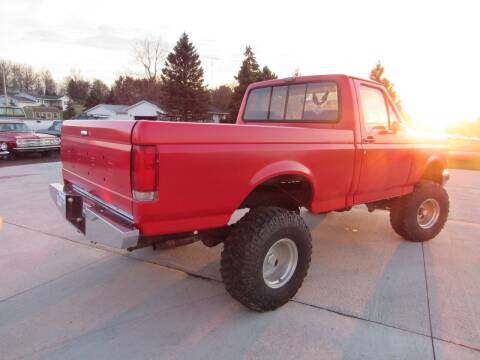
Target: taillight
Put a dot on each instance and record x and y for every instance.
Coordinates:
(144, 172)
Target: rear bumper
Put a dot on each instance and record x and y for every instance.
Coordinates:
(100, 223)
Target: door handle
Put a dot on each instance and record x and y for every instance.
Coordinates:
(369, 139)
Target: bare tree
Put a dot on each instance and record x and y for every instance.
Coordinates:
(150, 54)
(47, 83)
(23, 77)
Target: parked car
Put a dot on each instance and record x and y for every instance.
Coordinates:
(324, 143)
(54, 129)
(17, 113)
(16, 137)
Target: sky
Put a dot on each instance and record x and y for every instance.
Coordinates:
(430, 49)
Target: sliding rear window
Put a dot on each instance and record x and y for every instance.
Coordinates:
(310, 102)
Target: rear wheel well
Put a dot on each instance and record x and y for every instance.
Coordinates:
(433, 172)
(287, 191)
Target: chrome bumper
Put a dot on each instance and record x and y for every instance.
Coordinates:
(99, 224)
(36, 148)
(4, 153)
(445, 176)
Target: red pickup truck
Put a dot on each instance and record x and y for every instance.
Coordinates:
(324, 143)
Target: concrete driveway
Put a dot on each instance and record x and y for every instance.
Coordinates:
(369, 294)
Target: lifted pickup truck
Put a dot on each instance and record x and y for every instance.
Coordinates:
(324, 143)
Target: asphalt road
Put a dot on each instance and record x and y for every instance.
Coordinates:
(369, 294)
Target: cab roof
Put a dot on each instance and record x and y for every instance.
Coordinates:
(309, 78)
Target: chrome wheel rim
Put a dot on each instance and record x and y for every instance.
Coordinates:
(428, 213)
(280, 263)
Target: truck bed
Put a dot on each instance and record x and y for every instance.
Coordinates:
(205, 170)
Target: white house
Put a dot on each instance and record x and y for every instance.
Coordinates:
(107, 111)
(60, 101)
(141, 110)
(217, 115)
(145, 110)
(23, 99)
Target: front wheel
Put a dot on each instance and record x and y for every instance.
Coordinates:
(266, 258)
(421, 215)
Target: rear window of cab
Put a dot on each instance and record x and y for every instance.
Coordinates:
(309, 102)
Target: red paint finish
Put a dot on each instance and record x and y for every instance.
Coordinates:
(205, 171)
(100, 161)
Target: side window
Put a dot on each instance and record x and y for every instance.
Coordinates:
(257, 104)
(296, 99)
(393, 115)
(277, 104)
(374, 107)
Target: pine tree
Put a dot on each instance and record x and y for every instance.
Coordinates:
(69, 111)
(249, 73)
(267, 74)
(377, 74)
(182, 76)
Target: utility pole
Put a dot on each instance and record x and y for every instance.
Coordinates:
(5, 86)
(212, 60)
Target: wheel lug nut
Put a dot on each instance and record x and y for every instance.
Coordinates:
(271, 259)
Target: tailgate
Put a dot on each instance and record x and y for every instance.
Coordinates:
(96, 157)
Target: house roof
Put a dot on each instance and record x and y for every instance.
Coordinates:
(16, 98)
(118, 109)
(215, 110)
(26, 97)
(147, 102)
(22, 98)
(49, 97)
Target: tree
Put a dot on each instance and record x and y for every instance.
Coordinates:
(77, 88)
(21, 77)
(182, 76)
(377, 74)
(48, 85)
(98, 93)
(69, 111)
(149, 54)
(221, 97)
(249, 73)
(266, 74)
(128, 90)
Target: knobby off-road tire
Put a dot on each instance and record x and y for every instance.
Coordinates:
(421, 215)
(263, 245)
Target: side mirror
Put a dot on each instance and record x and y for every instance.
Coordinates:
(397, 126)
(380, 129)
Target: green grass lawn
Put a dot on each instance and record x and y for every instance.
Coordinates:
(464, 154)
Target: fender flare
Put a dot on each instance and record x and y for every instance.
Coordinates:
(281, 168)
(434, 159)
